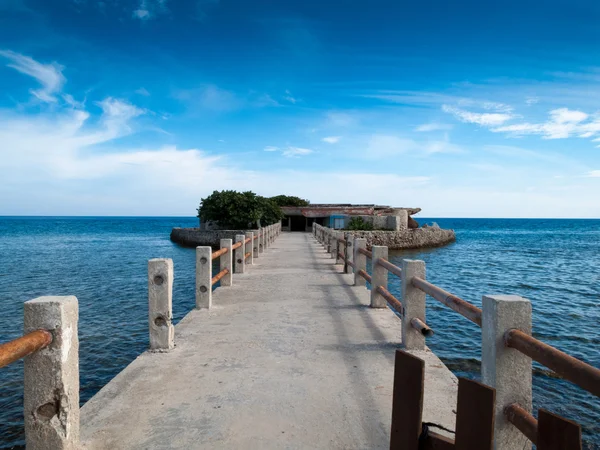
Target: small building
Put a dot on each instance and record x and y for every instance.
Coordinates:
(336, 216)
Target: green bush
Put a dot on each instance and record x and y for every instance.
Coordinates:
(239, 210)
(289, 200)
(358, 224)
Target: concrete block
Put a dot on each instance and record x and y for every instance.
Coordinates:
(261, 238)
(360, 261)
(51, 376)
(349, 253)
(255, 244)
(379, 276)
(249, 247)
(226, 262)
(413, 301)
(203, 277)
(240, 263)
(506, 369)
(160, 304)
(335, 245)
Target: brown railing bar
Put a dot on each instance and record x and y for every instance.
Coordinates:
(393, 301)
(350, 263)
(247, 240)
(342, 241)
(471, 312)
(365, 275)
(582, 374)
(247, 255)
(421, 327)
(218, 276)
(525, 422)
(342, 256)
(256, 236)
(25, 345)
(366, 252)
(390, 267)
(218, 253)
(236, 245)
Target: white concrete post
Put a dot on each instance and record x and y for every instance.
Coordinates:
(51, 376)
(261, 236)
(255, 244)
(225, 262)
(341, 248)
(379, 276)
(506, 369)
(240, 263)
(360, 261)
(349, 253)
(328, 240)
(160, 304)
(413, 301)
(249, 247)
(334, 245)
(203, 277)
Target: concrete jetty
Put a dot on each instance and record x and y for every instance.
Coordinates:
(290, 356)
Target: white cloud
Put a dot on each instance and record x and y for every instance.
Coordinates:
(295, 152)
(563, 123)
(332, 139)
(434, 127)
(531, 100)
(593, 174)
(270, 148)
(341, 119)
(288, 96)
(483, 119)
(381, 146)
(149, 9)
(48, 75)
(142, 91)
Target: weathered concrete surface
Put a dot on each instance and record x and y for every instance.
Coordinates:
(193, 237)
(291, 356)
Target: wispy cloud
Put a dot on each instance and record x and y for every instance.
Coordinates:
(149, 9)
(295, 152)
(332, 139)
(483, 119)
(562, 123)
(381, 146)
(593, 174)
(341, 119)
(434, 127)
(289, 97)
(270, 148)
(142, 91)
(214, 98)
(48, 75)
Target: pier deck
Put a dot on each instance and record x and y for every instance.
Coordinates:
(291, 356)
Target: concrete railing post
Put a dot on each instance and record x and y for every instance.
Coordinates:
(360, 261)
(249, 246)
(255, 244)
(413, 301)
(160, 304)
(51, 376)
(240, 263)
(379, 276)
(334, 245)
(225, 262)
(261, 238)
(203, 277)
(329, 240)
(506, 369)
(349, 253)
(341, 248)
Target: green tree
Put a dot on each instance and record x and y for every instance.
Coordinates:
(358, 224)
(289, 200)
(238, 210)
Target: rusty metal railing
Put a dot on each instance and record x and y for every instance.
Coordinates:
(525, 422)
(236, 245)
(365, 275)
(390, 267)
(218, 276)
(367, 253)
(582, 374)
(464, 308)
(392, 301)
(22, 346)
(247, 255)
(248, 240)
(218, 253)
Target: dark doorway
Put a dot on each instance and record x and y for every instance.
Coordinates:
(298, 223)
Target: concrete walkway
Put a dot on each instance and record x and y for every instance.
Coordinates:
(291, 357)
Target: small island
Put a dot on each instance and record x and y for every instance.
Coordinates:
(224, 214)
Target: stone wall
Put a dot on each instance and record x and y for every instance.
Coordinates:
(193, 237)
(412, 238)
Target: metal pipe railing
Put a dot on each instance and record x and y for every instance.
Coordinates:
(582, 374)
(248, 240)
(525, 422)
(218, 276)
(421, 327)
(389, 297)
(25, 345)
(219, 253)
(390, 267)
(247, 255)
(365, 275)
(464, 308)
(366, 252)
(350, 263)
(236, 245)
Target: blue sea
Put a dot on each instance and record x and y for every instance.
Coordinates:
(103, 261)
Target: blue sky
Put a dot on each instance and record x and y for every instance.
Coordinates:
(141, 107)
